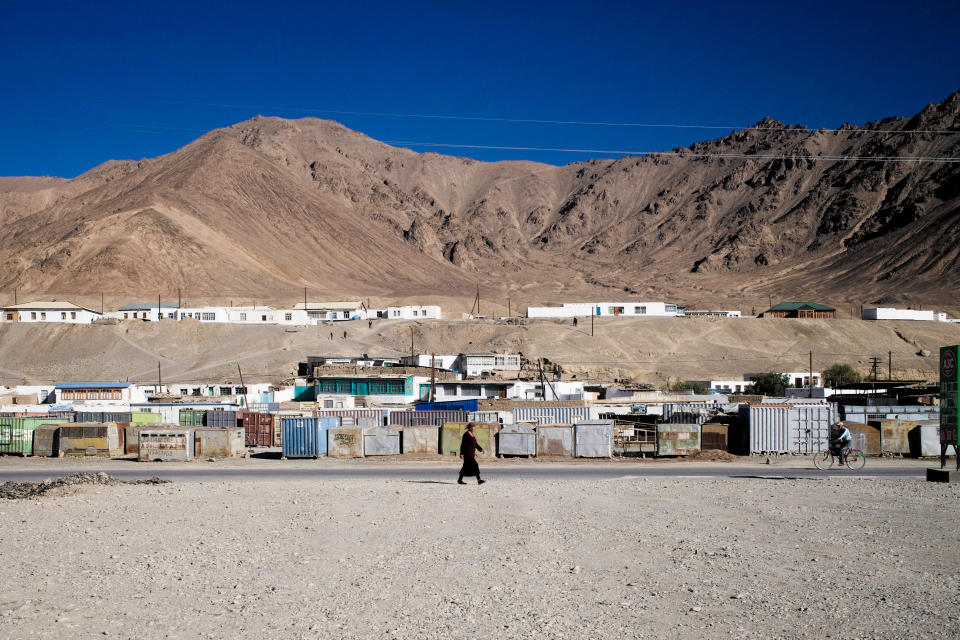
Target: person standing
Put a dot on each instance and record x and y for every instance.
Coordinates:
(468, 451)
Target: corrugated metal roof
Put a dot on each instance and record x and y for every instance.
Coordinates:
(47, 304)
(794, 306)
(93, 385)
(147, 306)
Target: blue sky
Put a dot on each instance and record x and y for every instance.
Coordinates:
(85, 82)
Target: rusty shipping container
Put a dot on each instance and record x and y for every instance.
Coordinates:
(895, 435)
(678, 439)
(714, 437)
(451, 434)
(211, 442)
(420, 440)
(257, 428)
(555, 440)
(132, 435)
(46, 440)
(381, 441)
(91, 439)
(865, 437)
(517, 440)
(166, 444)
(345, 442)
(425, 418)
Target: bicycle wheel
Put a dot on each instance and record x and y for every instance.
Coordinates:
(856, 459)
(823, 460)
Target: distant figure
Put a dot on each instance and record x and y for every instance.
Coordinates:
(468, 451)
(331, 335)
(369, 324)
(574, 322)
(344, 335)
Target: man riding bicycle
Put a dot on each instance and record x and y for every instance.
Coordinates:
(841, 442)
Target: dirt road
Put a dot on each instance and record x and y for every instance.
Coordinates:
(515, 558)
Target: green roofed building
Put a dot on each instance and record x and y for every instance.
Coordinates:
(800, 310)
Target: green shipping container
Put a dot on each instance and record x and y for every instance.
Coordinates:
(142, 418)
(192, 417)
(949, 395)
(16, 434)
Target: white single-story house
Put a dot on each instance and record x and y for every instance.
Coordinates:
(586, 309)
(403, 313)
(889, 313)
(439, 360)
(49, 311)
(330, 311)
(145, 311)
(473, 364)
(796, 379)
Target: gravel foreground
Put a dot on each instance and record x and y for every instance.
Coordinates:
(626, 558)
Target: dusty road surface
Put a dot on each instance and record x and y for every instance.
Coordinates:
(653, 557)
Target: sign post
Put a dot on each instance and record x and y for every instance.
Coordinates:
(949, 420)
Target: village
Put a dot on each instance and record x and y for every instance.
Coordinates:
(416, 405)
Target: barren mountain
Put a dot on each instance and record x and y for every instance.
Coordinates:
(267, 206)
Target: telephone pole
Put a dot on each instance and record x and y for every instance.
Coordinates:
(591, 321)
(411, 342)
(101, 303)
(889, 365)
(874, 367)
(159, 378)
(810, 395)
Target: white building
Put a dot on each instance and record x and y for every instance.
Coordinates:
(330, 311)
(796, 379)
(448, 390)
(49, 311)
(712, 314)
(403, 313)
(889, 313)
(473, 364)
(439, 360)
(96, 393)
(586, 309)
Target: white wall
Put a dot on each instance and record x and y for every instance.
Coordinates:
(83, 316)
(889, 313)
(411, 312)
(443, 361)
(582, 309)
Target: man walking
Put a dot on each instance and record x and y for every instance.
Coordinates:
(468, 451)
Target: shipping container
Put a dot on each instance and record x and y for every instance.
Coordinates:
(503, 417)
(16, 434)
(517, 440)
(174, 443)
(423, 418)
(103, 416)
(593, 439)
(925, 440)
(132, 435)
(91, 439)
(306, 437)
(678, 439)
(895, 435)
(192, 417)
(420, 440)
(381, 441)
(355, 417)
(257, 428)
(213, 442)
(448, 405)
(46, 440)
(345, 442)
(555, 440)
(221, 419)
(713, 437)
(789, 428)
(451, 435)
(551, 415)
(140, 418)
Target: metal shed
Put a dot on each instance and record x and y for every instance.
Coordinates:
(555, 440)
(451, 435)
(166, 444)
(306, 437)
(345, 442)
(551, 415)
(678, 439)
(211, 442)
(381, 441)
(593, 439)
(517, 440)
(417, 440)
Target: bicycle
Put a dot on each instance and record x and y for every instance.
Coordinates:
(825, 459)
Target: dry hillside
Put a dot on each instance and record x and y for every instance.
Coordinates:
(268, 206)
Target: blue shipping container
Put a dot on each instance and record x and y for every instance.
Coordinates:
(306, 437)
(456, 405)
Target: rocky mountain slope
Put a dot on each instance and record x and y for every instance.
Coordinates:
(268, 206)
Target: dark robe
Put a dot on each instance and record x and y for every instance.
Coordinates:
(468, 449)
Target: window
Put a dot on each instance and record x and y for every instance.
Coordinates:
(33, 315)
(224, 391)
(73, 315)
(9, 316)
(243, 317)
(263, 318)
(171, 315)
(639, 310)
(346, 314)
(63, 315)
(670, 308)
(313, 315)
(43, 315)
(195, 392)
(288, 317)
(206, 315)
(183, 392)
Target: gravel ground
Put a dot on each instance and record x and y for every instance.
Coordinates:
(632, 557)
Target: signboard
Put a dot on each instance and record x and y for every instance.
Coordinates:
(949, 394)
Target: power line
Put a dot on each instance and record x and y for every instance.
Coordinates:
(589, 123)
(686, 154)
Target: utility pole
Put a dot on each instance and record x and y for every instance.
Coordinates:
(591, 320)
(411, 342)
(159, 309)
(810, 395)
(889, 365)
(433, 376)
(101, 303)
(159, 378)
(304, 298)
(242, 386)
(508, 308)
(14, 296)
(543, 386)
(478, 298)
(179, 299)
(874, 366)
